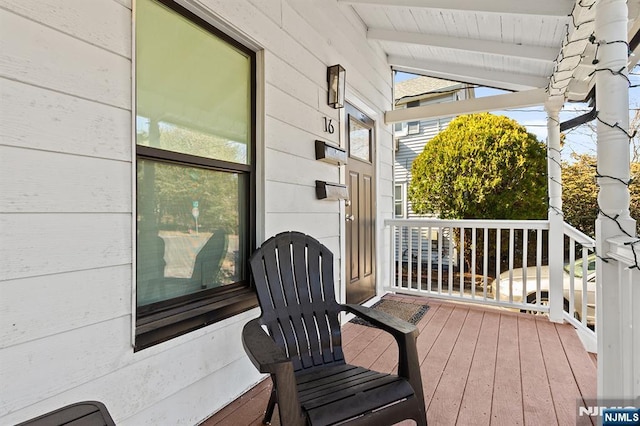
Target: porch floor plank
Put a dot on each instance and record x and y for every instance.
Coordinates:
(480, 366)
(506, 407)
(536, 393)
(564, 390)
(445, 404)
(475, 407)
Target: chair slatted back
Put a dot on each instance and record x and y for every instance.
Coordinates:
(293, 273)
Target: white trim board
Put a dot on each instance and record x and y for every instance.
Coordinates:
(490, 103)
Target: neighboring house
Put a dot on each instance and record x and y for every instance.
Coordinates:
(412, 136)
(410, 139)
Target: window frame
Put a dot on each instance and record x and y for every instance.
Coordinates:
(164, 320)
(399, 201)
(413, 127)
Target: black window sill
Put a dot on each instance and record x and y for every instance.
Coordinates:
(177, 320)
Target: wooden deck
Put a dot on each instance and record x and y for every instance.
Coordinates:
(480, 366)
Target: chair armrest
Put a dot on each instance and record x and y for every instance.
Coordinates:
(393, 325)
(405, 335)
(261, 349)
(269, 358)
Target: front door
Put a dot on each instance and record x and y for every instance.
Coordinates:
(360, 212)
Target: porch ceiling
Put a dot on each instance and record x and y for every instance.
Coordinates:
(512, 45)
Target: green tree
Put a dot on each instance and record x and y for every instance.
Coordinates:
(580, 192)
(481, 167)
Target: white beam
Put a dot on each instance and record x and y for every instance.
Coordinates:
(468, 74)
(469, 106)
(538, 53)
(538, 7)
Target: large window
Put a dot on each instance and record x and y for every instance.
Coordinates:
(195, 109)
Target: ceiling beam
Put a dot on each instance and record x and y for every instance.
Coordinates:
(538, 53)
(538, 7)
(468, 74)
(546, 54)
(469, 106)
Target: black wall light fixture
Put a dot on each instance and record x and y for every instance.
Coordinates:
(336, 77)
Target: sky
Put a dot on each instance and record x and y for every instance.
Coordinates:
(579, 139)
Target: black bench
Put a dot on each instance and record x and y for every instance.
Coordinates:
(86, 413)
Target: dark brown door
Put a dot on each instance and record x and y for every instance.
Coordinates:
(360, 213)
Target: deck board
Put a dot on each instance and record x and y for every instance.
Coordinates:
(507, 407)
(445, 404)
(475, 407)
(480, 366)
(536, 393)
(564, 390)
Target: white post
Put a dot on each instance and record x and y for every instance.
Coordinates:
(612, 100)
(556, 219)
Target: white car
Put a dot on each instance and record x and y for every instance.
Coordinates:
(530, 289)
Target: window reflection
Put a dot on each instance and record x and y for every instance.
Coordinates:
(359, 140)
(189, 230)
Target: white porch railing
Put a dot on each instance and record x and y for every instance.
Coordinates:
(494, 262)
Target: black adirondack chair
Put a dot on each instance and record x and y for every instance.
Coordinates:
(312, 383)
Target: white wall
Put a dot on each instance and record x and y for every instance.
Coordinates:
(66, 155)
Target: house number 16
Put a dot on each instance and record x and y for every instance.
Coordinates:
(328, 126)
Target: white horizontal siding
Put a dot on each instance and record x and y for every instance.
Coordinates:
(63, 302)
(299, 171)
(35, 54)
(37, 244)
(307, 223)
(80, 184)
(283, 197)
(36, 118)
(145, 384)
(70, 17)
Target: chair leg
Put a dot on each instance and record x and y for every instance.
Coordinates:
(271, 405)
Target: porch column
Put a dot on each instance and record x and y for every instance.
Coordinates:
(556, 218)
(612, 100)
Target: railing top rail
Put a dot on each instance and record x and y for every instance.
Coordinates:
(470, 223)
(620, 249)
(579, 236)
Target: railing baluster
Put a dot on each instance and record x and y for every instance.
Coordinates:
(572, 276)
(585, 280)
(409, 257)
(497, 263)
(485, 263)
(399, 254)
(429, 260)
(461, 265)
(511, 255)
(473, 262)
(451, 259)
(419, 266)
(525, 263)
(440, 260)
(538, 264)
